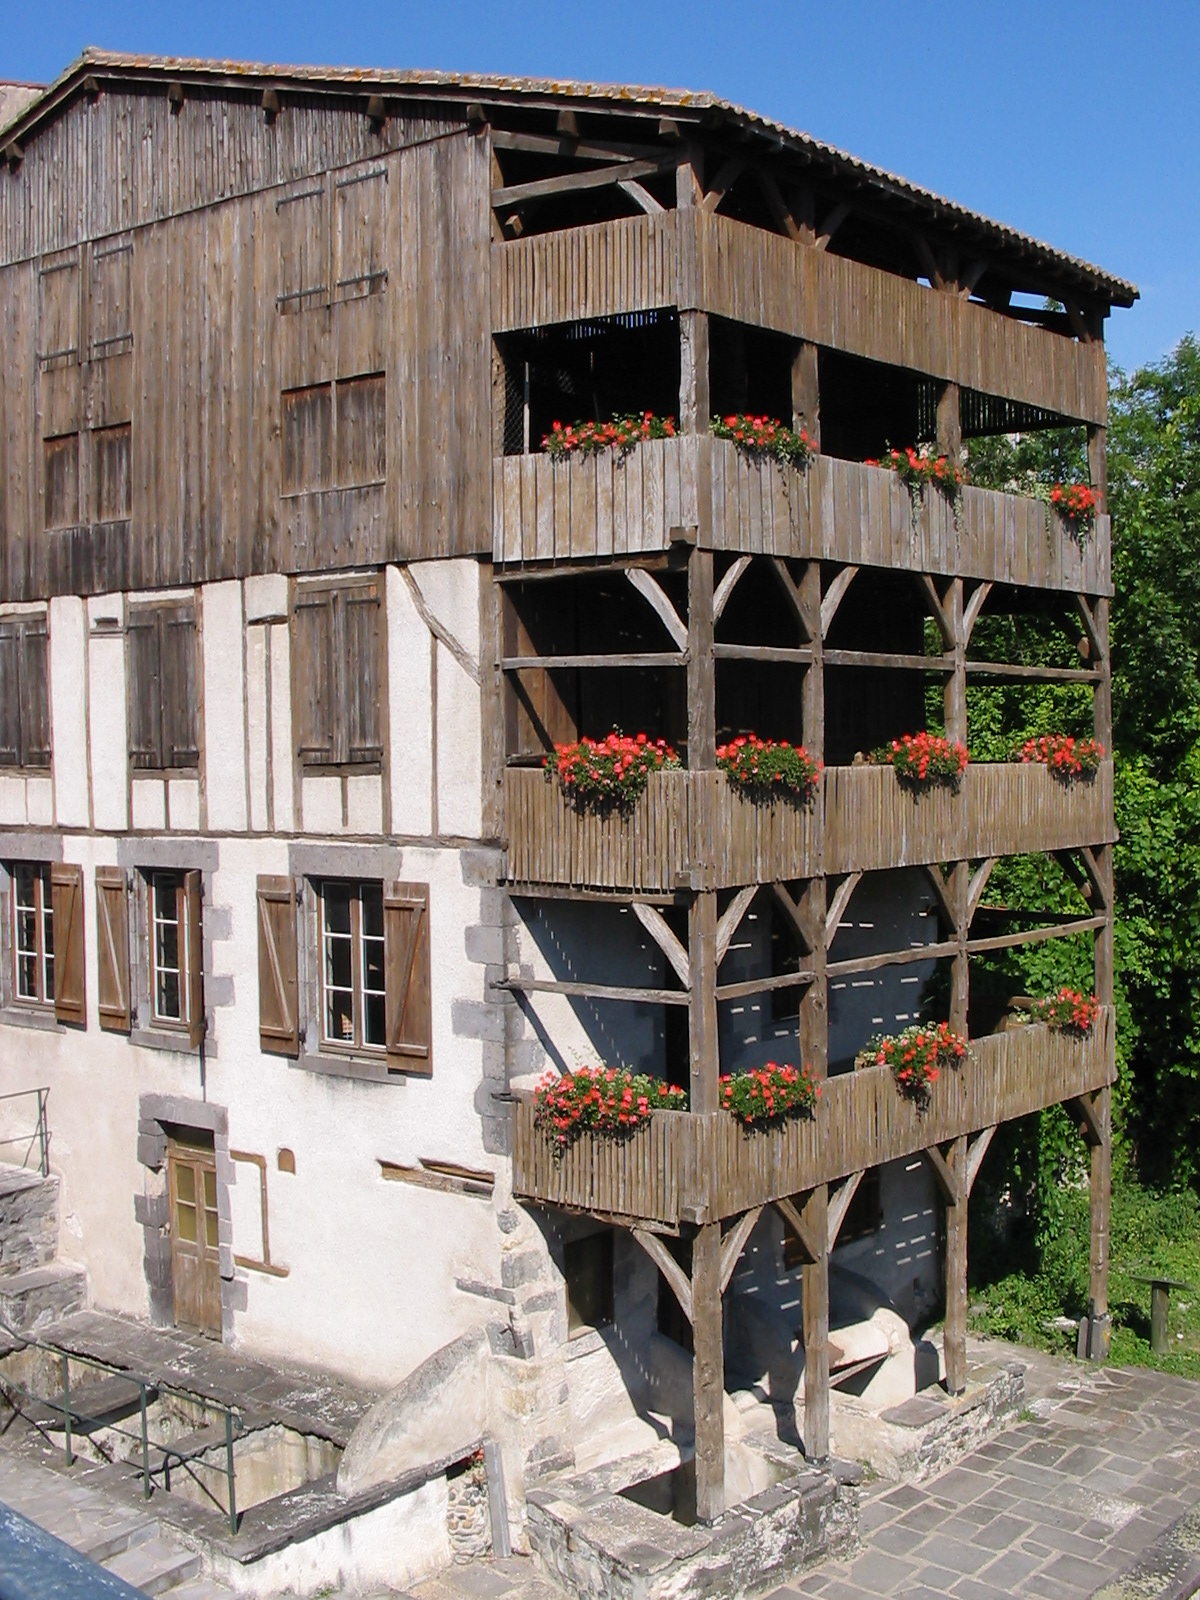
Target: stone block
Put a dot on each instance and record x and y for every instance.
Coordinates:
(152, 1210)
(521, 1266)
(481, 869)
(151, 1149)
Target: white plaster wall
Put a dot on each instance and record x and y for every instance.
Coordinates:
(258, 729)
(224, 710)
(183, 804)
(69, 709)
(451, 593)
(148, 803)
(39, 802)
(282, 745)
(573, 941)
(410, 711)
(12, 801)
(106, 714)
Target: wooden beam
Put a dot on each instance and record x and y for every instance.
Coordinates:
(539, 144)
(892, 660)
(831, 224)
(1091, 1123)
(941, 890)
(641, 197)
(954, 1337)
(815, 1282)
(1100, 1205)
(978, 883)
(648, 586)
(971, 610)
(1011, 669)
(839, 1204)
(567, 124)
(734, 1243)
(893, 958)
(592, 991)
(727, 175)
(644, 658)
(728, 584)
(660, 930)
(837, 906)
(791, 593)
(666, 1263)
(792, 1216)
(806, 391)
(944, 1173)
(1097, 645)
(577, 182)
(783, 980)
(731, 918)
(936, 608)
(793, 913)
(801, 654)
(1058, 930)
(976, 1150)
(834, 596)
(779, 208)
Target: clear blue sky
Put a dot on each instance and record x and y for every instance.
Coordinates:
(1078, 122)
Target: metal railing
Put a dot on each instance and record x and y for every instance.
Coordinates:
(148, 1390)
(39, 1135)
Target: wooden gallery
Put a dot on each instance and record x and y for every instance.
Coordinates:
(369, 443)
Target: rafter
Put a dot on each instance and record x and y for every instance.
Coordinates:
(727, 175)
(944, 1173)
(790, 1213)
(641, 197)
(837, 906)
(976, 1150)
(574, 182)
(839, 1204)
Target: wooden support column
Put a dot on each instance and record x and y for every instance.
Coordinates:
(814, 1002)
(1099, 1327)
(708, 1372)
(949, 422)
(806, 394)
(694, 409)
(955, 1335)
(1097, 448)
(955, 694)
(813, 703)
(1102, 695)
(815, 1281)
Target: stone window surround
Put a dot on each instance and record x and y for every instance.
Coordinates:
(152, 1207)
(307, 864)
(23, 846)
(141, 856)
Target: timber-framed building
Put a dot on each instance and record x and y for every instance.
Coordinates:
(293, 603)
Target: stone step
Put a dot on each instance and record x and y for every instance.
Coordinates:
(154, 1566)
(42, 1295)
(95, 1403)
(28, 1220)
(202, 1589)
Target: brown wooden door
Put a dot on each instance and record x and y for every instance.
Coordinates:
(195, 1259)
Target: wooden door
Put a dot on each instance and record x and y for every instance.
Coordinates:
(195, 1259)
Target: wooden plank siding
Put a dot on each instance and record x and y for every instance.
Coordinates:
(558, 510)
(694, 1168)
(734, 270)
(861, 819)
(212, 354)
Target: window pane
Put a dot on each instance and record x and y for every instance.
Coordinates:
(372, 910)
(337, 907)
(374, 1025)
(185, 1184)
(210, 1229)
(24, 878)
(164, 899)
(27, 977)
(339, 1016)
(185, 1222)
(166, 996)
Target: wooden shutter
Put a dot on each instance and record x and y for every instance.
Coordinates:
(144, 687)
(109, 311)
(407, 975)
(112, 949)
(110, 473)
(60, 481)
(10, 692)
(194, 978)
(313, 683)
(362, 431)
(58, 320)
(360, 678)
(278, 985)
(360, 203)
(35, 692)
(177, 654)
(306, 424)
(303, 223)
(66, 895)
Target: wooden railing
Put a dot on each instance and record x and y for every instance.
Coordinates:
(688, 1168)
(694, 828)
(605, 506)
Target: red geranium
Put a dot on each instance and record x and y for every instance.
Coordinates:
(922, 758)
(768, 1094)
(1066, 756)
(613, 771)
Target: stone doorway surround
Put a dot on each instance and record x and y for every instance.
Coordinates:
(157, 1114)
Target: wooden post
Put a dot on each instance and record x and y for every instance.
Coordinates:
(1102, 950)
(949, 423)
(708, 1372)
(815, 1282)
(1097, 448)
(814, 1003)
(1102, 697)
(955, 1334)
(806, 394)
(955, 693)
(813, 692)
(1099, 1327)
(703, 1055)
(694, 409)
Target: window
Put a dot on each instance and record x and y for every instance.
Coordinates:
(60, 462)
(161, 683)
(337, 678)
(588, 1269)
(24, 692)
(58, 295)
(176, 952)
(334, 435)
(33, 934)
(353, 996)
(303, 219)
(371, 983)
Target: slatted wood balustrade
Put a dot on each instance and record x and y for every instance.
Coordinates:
(690, 826)
(606, 506)
(682, 1167)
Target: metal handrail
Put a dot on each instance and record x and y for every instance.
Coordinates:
(232, 1418)
(41, 1132)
